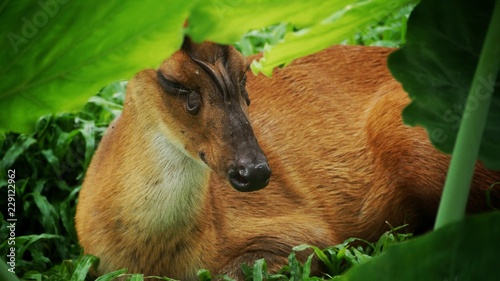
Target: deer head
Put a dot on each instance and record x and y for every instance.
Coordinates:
(205, 105)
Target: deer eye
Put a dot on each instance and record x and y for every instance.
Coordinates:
(170, 86)
(244, 92)
(193, 102)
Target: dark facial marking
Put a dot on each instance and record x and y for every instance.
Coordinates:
(244, 92)
(229, 86)
(202, 155)
(214, 72)
(216, 66)
(169, 86)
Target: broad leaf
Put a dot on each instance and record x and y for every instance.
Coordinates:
(329, 31)
(226, 21)
(436, 68)
(56, 54)
(467, 250)
(321, 23)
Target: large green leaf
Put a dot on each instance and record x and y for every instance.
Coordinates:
(467, 250)
(56, 54)
(436, 68)
(226, 21)
(329, 31)
(320, 23)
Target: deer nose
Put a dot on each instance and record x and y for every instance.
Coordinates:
(249, 177)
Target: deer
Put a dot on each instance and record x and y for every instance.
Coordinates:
(210, 166)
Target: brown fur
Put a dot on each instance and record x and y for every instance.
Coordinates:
(330, 125)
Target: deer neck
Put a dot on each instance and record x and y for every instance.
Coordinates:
(170, 187)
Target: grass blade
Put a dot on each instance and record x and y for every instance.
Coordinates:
(137, 277)
(21, 145)
(82, 267)
(111, 275)
(258, 269)
(5, 274)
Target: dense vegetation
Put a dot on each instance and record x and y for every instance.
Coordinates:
(50, 165)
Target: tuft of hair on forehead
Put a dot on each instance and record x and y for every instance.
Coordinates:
(207, 51)
(212, 58)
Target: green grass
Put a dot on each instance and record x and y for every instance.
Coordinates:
(50, 165)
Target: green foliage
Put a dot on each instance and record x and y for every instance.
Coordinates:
(454, 84)
(336, 259)
(334, 28)
(389, 31)
(5, 274)
(436, 67)
(55, 56)
(467, 250)
(256, 41)
(49, 167)
(50, 164)
(69, 270)
(55, 51)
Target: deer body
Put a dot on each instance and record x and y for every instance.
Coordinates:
(157, 198)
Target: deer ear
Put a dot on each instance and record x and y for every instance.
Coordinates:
(187, 44)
